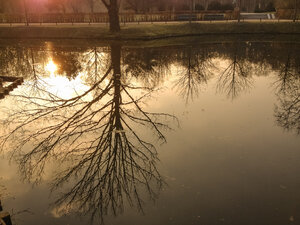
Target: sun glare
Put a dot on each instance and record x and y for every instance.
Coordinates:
(51, 67)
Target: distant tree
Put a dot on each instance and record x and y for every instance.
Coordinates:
(64, 5)
(2, 6)
(133, 5)
(146, 5)
(91, 5)
(14, 6)
(199, 7)
(286, 4)
(206, 2)
(57, 5)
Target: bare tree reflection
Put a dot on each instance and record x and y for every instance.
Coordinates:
(287, 112)
(196, 69)
(98, 135)
(151, 68)
(235, 79)
(99, 138)
(94, 61)
(18, 60)
(288, 71)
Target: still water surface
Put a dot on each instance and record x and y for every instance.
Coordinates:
(202, 133)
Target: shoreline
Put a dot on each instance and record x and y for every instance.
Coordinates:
(144, 32)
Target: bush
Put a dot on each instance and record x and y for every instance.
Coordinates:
(215, 6)
(270, 7)
(257, 9)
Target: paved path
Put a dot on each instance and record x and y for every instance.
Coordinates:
(262, 18)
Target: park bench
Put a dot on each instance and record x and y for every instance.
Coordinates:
(186, 17)
(257, 16)
(210, 17)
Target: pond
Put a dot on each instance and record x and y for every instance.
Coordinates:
(186, 132)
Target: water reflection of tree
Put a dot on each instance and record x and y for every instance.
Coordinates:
(21, 61)
(195, 68)
(100, 138)
(287, 112)
(68, 62)
(235, 78)
(94, 61)
(151, 68)
(289, 69)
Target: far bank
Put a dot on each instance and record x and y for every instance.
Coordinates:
(147, 31)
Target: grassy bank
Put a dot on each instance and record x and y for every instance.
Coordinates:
(147, 31)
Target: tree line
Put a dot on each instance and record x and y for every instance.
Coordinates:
(77, 6)
(113, 7)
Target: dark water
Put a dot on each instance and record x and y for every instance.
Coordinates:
(198, 133)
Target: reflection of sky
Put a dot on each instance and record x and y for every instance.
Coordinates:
(227, 157)
(227, 164)
(63, 87)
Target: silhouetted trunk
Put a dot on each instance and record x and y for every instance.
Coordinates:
(116, 58)
(113, 14)
(92, 6)
(116, 66)
(206, 5)
(63, 7)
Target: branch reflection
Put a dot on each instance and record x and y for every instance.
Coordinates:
(235, 78)
(98, 136)
(196, 68)
(287, 112)
(97, 132)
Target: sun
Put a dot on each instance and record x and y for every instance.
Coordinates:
(51, 67)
